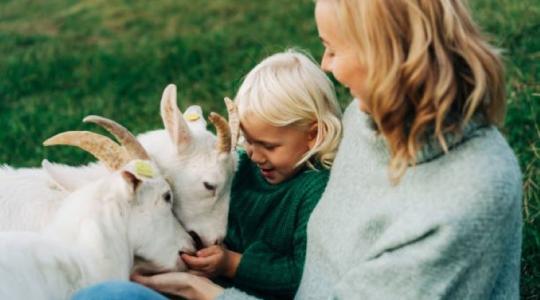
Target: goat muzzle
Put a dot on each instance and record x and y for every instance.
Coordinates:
(196, 239)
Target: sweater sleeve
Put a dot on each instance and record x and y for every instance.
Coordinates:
(270, 271)
(235, 294)
(449, 258)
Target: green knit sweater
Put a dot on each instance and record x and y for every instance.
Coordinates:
(267, 225)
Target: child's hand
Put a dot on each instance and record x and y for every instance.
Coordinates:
(213, 261)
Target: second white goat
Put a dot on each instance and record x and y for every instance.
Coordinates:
(99, 230)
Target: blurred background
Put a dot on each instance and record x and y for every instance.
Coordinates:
(61, 60)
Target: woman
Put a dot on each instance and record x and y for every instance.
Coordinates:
(424, 197)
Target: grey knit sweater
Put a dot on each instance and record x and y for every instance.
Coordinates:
(450, 230)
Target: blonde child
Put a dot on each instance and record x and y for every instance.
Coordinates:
(290, 121)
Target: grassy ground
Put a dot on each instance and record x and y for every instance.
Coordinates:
(61, 60)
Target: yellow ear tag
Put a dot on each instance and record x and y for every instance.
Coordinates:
(192, 117)
(143, 168)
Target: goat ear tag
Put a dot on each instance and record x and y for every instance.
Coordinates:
(144, 169)
(192, 117)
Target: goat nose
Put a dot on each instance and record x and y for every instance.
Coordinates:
(196, 239)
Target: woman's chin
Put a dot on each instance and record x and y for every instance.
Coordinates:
(362, 105)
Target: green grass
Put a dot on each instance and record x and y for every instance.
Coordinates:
(61, 60)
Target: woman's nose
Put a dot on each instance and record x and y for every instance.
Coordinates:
(325, 63)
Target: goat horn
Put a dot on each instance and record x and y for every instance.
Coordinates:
(126, 139)
(234, 121)
(101, 147)
(222, 131)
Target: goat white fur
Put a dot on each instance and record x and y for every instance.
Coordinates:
(186, 153)
(94, 236)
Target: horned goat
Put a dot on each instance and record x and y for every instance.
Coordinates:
(199, 167)
(99, 229)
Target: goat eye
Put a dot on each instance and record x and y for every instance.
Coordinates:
(167, 197)
(209, 186)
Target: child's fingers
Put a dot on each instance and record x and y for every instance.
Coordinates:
(195, 262)
(208, 251)
(192, 261)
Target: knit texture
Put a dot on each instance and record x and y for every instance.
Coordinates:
(450, 230)
(267, 224)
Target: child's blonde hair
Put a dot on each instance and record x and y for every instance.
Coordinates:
(289, 89)
(428, 67)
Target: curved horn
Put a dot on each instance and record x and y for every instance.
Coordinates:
(101, 147)
(126, 139)
(222, 131)
(234, 121)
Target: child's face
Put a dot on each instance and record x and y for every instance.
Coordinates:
(339, 58)
(276, 150)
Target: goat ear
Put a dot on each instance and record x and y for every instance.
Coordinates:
(131, 180)
(173, 120)
(66, 178)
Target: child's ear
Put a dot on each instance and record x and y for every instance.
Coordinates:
(312, 133)
(131, 180)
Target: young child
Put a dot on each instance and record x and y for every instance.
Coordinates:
(290, 121)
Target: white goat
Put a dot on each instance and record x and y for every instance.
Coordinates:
(98, 230)
(198, 166)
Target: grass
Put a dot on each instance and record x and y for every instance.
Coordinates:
(62, 60)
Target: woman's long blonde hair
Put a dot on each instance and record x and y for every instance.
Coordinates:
(429, 69)
(289, 89)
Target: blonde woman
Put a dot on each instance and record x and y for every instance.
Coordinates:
(425, 190)
(424, 196)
